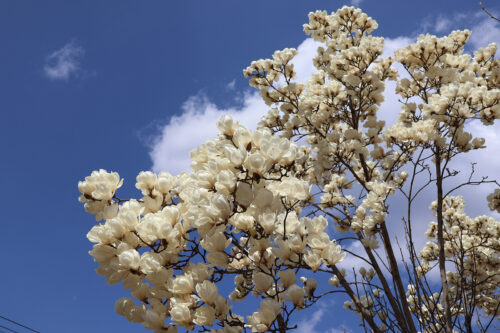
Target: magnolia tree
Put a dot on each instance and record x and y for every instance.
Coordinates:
(276, 210)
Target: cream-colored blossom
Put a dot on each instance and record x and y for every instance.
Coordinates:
(207, 291)
(296, 295)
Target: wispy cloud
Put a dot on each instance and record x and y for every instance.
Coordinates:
(231, 85)
(309, 325)
(484, 29)
(485, 32)
(64, 62)
(356, 3)
(310, 322)
(339, 330)
(441, 23)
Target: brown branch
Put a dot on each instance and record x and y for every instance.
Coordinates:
(397, 277)
(281, 324)
(487, 12)
(395, 307)
(440, 239)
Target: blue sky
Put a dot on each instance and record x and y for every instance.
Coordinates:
(95, 84)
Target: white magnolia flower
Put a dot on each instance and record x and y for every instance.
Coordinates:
(123, 305)
(333, 254)
(181, 314)
(182, 285)
(296, 295)
(207, 291)
(153, 320)
(287, 278)
(262, 281)
(100, 185)
(130, 259)
(204, 315)
(226, 125)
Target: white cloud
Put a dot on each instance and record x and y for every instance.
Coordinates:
(484, 29)
(356, 3)
(309, 325)
(485, 32)
(391, 106)
(339, 330)
(441, 23)
(302, 63)
(65, 62)
(231, 85)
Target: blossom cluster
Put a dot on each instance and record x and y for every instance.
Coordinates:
(454, 89)
(243, 201)
(494, 200)
(472, 245)
(97, 192)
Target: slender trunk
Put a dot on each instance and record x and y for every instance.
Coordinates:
(281, 324)
(392, 301)
(397, 279)
(440, 239)
(468, 323)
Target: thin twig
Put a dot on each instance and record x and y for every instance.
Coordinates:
(487, 12)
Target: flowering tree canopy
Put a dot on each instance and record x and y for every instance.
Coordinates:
(266, 208)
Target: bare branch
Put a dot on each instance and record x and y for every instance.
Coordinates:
(487, 12)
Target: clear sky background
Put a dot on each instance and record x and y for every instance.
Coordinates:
(94, 84)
